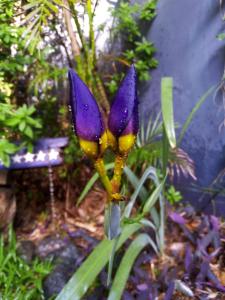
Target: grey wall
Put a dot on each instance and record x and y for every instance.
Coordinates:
(184, 33)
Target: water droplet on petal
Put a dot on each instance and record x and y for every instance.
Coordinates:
(69, 107)
(86, 107)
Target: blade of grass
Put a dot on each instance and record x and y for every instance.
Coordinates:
(193, 112)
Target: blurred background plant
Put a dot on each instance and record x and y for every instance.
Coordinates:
(17, 120)
(39, 39)
(18, 279)
(130, 21)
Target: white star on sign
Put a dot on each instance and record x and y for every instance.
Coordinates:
(29, 157)
(17, 158)
(41, 156)
(53, 154)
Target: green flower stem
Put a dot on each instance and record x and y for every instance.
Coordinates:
(103, 100)
(87, 65)
(75, 15)
(118, 171)
(91, 36)
(100, 168)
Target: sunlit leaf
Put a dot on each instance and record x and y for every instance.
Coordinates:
(22, 126)
(167, 109)
(28, 132)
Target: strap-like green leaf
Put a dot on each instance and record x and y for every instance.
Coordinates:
(153, 198)
(112, 221)
(149, 173)
(135, 182)
(167, 109)
(86, 274)
(126, 264)
(143, 194)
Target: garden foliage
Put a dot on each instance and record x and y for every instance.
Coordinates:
(18, 279)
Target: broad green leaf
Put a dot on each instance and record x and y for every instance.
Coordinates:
(126, 264)
(13, 121)
(34, 122)
(30, 110)
(92, 266)
(22, 126)
(9, 148)
(28, 131)
(6, 160)
(167, 109)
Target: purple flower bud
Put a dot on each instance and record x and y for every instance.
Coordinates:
(123, 118)
(87, 119)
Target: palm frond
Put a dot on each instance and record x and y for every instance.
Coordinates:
(36, 15)
(180, 163)
(148, 151)
(148, 134)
